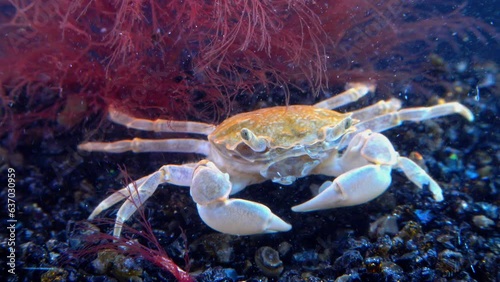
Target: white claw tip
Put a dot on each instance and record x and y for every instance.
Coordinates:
(276, 224)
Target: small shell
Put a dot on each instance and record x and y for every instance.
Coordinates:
(268, 261)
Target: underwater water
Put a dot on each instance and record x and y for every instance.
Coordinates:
(49, 187)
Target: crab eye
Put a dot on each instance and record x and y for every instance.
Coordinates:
(257, 144)
(245, 134)
(348, 123)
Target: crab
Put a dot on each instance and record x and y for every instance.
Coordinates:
(280, 144)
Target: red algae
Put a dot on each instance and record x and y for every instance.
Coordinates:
(95, 243)
(132, 244)
(62, 61)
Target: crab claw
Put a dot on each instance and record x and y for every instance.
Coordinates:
(241, 217)
(210, 190)
(352, 188)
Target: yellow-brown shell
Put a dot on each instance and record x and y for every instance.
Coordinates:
(283, 127)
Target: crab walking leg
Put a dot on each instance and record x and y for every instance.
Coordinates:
(352, 94)
(138, 145)
(390, 120)
(137, 193)
(380, 108)
(352, 188)
(419, 177)
(116, 197)
(210, 190)
(160, 125)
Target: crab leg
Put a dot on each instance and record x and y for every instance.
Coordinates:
(419, 177)
(138, 145)
(380, 108)
(160, 125)
(210, 190)
(116, 197)
(352, 94)
(390, 120)
(138, 192)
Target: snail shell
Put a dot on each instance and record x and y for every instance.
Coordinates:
(268, 261)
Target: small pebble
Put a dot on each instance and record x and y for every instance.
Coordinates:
(482, 221)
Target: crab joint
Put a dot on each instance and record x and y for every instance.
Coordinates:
(257, 144)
